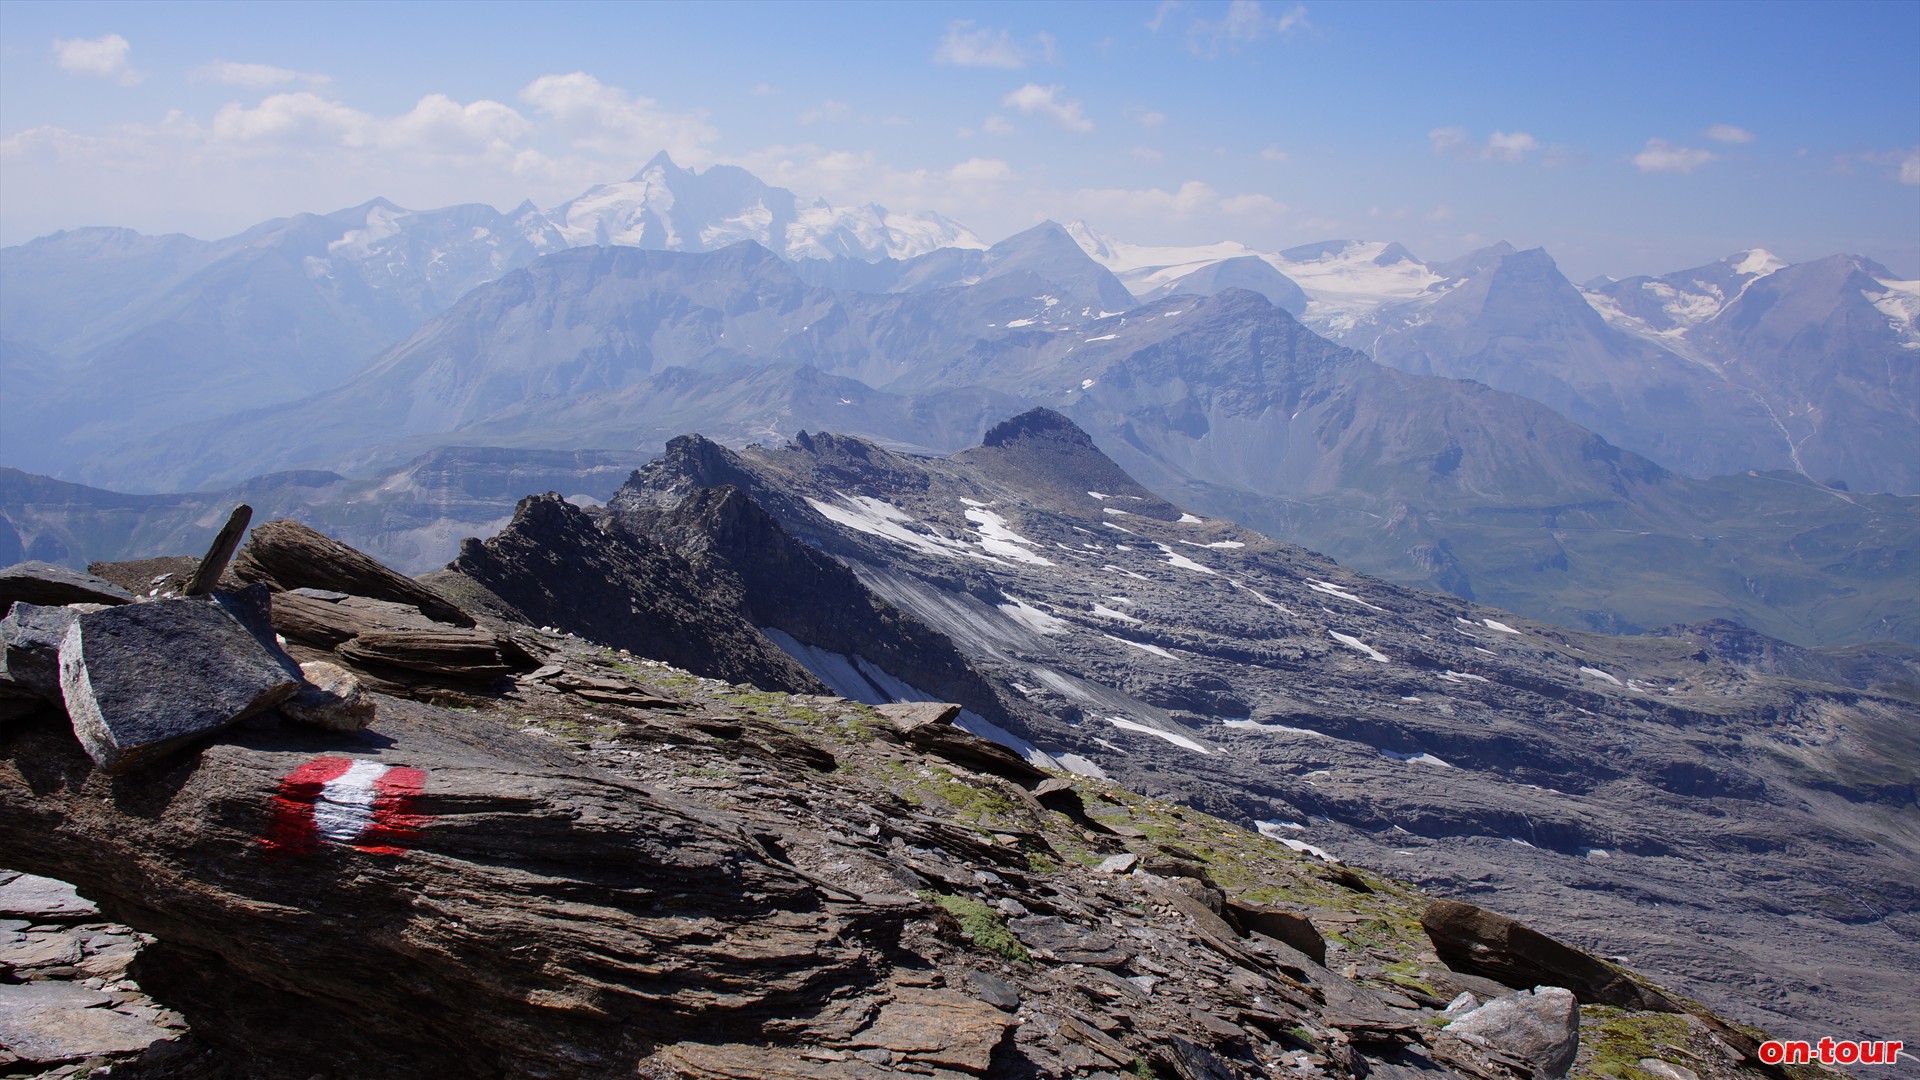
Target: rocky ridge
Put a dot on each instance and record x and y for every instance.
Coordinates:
(1727, 820)
(605, 865)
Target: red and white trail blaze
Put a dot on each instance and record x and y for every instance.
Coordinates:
(360, 804)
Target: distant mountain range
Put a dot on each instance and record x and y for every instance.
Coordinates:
(293, 306)
(360, 341)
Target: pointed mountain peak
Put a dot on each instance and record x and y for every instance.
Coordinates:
(1042, 453)
(1094, 244)
(1036, 423)
(1394, 253)
(661, 162)
(1473, 262)
(1044, 235)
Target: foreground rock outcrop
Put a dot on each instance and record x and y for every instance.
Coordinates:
(607, 866)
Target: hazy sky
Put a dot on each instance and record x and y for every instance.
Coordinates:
(1626, 138)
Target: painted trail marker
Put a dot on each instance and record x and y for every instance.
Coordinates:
(346, 801)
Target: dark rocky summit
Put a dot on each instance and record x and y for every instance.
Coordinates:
(609, 866)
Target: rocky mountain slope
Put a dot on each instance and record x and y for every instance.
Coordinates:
(603, 865)
(1717, 820)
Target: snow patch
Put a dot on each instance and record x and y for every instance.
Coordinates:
(1172, 737)
(1335, 590)
(1080, 766)
(1305, 848)
(875, 517)
(1107, 612)
(1185, 563)
(1142, 646)
(1189, 519)
(1034, 619)
(1496, 624)
(1357, 645)
(1002, 541)
(1421, 758)
(1598, 674)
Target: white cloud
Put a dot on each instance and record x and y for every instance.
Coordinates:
(826, 110)
(1660, 155)
(1910, 168)
(1244, 23)
(1145, 118)
(1194, 198)
(1442, 212)
(437, 124)
(1148, 153)
(1728, 133)
(104, 57)
(1160, 14)
(1509, 147)
(966, 46)
(1045, 100)
(606, 120)
(963, 191)
(1273, 153)
(255, 76)
(997, 125)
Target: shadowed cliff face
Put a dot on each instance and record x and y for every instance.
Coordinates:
(556, 567)
(1647, 796)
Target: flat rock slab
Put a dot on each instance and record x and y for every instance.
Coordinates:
(42, 899)
(1067, 942)
(938, 1027)
(45, 583)
(49, 1023)
(23, 951)
(144, 679)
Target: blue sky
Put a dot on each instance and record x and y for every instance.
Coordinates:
(1626, 138)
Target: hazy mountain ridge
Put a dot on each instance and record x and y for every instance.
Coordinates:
(1678, 367)
(1227, 400)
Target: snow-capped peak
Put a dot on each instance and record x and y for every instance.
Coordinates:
(666, 206)
(1756, 261)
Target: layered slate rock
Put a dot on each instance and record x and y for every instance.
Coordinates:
(1487, 943)
(143, 679)
(45, 583)
(288, 555)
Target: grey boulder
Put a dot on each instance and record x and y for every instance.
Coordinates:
(1541, 1025)
(332, 699)
(144, 679)
(30, 637)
